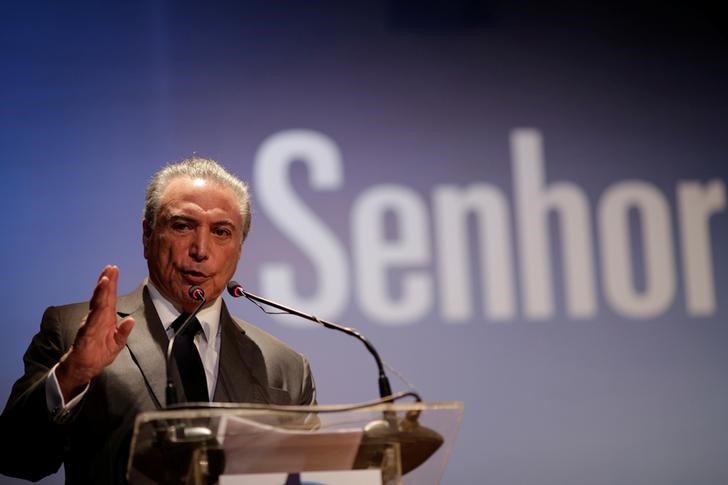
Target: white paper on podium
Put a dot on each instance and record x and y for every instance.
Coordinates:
(349, 477)
(252, 447)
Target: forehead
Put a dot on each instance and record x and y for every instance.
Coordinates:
(200, 196)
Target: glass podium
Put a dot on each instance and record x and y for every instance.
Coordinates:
(408, 444)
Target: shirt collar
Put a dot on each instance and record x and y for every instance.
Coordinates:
(209, 317)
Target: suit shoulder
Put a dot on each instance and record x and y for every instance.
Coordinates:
(70, 308)
(69, 313)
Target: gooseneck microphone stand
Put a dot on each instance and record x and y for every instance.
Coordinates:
(190, 446)
(197, 294)
(385, 390)
(417, 443)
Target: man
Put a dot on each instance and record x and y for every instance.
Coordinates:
(94, 366)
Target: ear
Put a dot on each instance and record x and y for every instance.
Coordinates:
(146, 236)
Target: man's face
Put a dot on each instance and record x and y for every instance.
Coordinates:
(196, 240)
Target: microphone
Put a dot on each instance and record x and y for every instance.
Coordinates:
(184, 437)
(385, 390)
(417, 443)
(197, 294)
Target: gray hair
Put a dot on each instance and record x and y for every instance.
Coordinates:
(203, 168)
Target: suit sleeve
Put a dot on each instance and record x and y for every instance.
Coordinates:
(36, 442)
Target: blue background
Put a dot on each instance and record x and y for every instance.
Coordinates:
(96, 96)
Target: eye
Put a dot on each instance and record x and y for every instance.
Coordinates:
(222, 232)
(181, 226)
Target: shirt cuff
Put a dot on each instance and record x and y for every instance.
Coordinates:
(57, 407)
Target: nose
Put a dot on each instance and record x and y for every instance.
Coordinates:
(199, 247)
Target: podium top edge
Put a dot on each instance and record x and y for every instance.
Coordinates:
(219, 409)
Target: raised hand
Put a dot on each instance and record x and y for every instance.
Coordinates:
(99, 340)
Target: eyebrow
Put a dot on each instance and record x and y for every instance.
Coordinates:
(224, 222)
(181, 217)
(188, 218)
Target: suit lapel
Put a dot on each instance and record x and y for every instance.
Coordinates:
(147, 342)
(242, 375)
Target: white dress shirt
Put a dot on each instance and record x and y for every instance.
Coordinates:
(207, 341)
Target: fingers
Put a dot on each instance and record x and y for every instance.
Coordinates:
(98, 299)
(101, 319)
(112, 272)
(123, 330)
(104, 295)
(99, 339)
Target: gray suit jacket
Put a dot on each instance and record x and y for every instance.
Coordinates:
(93, 443)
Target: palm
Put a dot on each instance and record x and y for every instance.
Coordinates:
(99, 340)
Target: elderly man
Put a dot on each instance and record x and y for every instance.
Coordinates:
(94, 366)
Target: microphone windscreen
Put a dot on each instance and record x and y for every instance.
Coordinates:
(196, 293)
(234, 288)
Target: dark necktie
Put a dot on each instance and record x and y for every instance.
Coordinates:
(188, 360)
